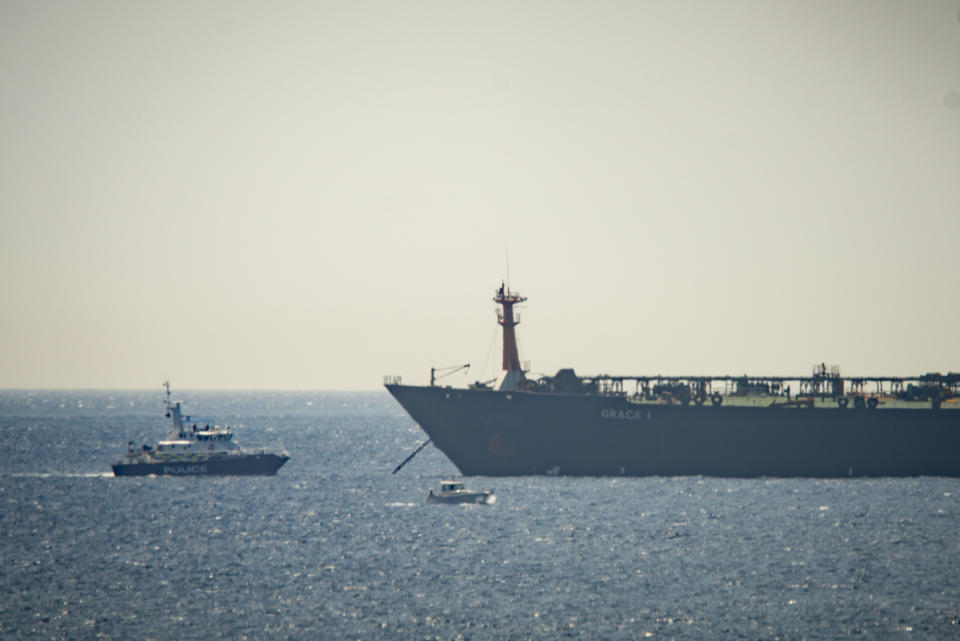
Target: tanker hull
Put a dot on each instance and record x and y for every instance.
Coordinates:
(519, 433)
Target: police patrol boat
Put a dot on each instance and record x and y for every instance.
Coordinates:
(192, 450)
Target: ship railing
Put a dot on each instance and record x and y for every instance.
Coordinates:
(392, 380)
(262, 450)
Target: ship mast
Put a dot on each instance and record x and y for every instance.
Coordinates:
(173, 411)
(512, 376)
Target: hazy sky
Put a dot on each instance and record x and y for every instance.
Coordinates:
(311, 195)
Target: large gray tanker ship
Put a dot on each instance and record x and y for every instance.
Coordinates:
(816, 425)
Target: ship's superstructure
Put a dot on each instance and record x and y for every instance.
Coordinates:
(512, 376)
(195, 448)
(816, 425)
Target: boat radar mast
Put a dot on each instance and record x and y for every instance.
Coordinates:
(512, 376)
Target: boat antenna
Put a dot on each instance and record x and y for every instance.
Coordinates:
(506, 250)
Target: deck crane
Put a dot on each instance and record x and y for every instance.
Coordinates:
(445, 371)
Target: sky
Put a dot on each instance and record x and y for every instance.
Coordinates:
(313, 195)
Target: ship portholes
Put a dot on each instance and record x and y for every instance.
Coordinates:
(716, 400)
(843, 401)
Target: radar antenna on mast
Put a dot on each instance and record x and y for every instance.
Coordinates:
(166, 400)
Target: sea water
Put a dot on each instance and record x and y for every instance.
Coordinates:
(335, 547)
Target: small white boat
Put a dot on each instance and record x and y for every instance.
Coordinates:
(455, 492)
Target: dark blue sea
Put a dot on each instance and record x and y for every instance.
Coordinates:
(335, 547)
